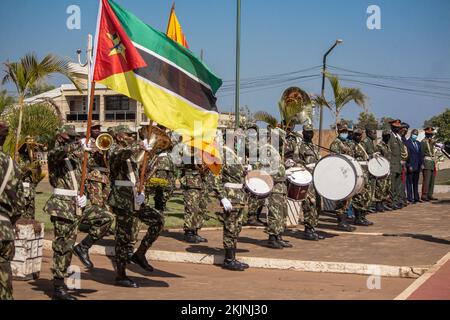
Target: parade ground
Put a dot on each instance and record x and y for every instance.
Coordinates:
(405, 255)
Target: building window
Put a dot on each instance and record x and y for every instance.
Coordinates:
(86, 106)
(117, 103)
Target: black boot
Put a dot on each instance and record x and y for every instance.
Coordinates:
(310, 234)
(284, 243)
(82, 251)
(387, 207)
(60, 291)
(230, 262)
(380, 207)
(189, 237)
(343, 225)
(361, 219)
(273, 242)
(140, 259)
(200, 238)
(254, 222)
(122, 280)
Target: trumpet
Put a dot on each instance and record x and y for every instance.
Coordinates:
(104, 142)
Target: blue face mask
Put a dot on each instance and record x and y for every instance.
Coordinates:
(414, 138)
(343, 136)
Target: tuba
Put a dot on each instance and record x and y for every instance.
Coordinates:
(104, 142)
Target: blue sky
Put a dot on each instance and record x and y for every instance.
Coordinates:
(277, 37)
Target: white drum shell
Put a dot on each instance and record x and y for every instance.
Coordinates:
(338, 177)
(299, 177)
(379, 167)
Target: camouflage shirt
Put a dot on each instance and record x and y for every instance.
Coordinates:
(292, 147)
(369, 145)
(12, 198)
(359, 152)
(98, 165)
(123, 163)
(340, 147)
(308, 153)
(384, 150)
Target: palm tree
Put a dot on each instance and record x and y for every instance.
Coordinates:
(342, 96)
(29, 72)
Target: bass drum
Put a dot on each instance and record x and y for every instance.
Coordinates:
(338, 177)
(379, 167)
(259, 183)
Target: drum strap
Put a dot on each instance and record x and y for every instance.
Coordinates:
(363, 150)
(7, 175)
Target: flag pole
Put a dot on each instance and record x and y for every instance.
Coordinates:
(91, 97)
(238, 63)
(146, 158)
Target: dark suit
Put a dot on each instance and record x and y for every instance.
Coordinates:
(413, 166)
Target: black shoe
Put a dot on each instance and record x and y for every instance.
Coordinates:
(83, 254)
(141, 261)
(310, 234)
(126, 283)
(190, 237)
(230, 262)
(284, 243)
(380, 207)
(344, 226)
(419, 201)
(60, 291)
(369, 223)
(372, 210)
(387, 207)
(254, 222)
(273, 243)
(200, 238)
(434, 199)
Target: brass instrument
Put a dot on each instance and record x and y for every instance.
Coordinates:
(32, 165)
(104, 142)
(295, 107)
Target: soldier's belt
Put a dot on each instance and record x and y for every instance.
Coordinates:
(233, 185)
(65, 192)
(124, 183)
(26, 185)
(4, 217)
(429, 158)
(101, 169)
(363, 163)
(164, 154)
(279, 180)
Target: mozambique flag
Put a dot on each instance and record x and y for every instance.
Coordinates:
(176, 89)
(174, 30)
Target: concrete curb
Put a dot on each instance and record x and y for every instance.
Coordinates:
(279, 264)
(424, 278)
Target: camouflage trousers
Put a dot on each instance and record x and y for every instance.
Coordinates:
(232, 226)
(6, 256)
(161, 196)
(30, 202)
(311, 208)
(125, 221)
(194, 209)
(255, 206)
(373, 187)
(362, 200)
(342, 207)
(99, 221)
(276, 218)
(383, 190)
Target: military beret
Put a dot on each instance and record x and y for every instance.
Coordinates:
(405, 125)
(69, 130)
(308, 127)
(396, 123)
(429, 130)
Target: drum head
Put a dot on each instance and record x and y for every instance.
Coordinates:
(379, 167)
(299, 176)
(335, 178)
(259, 183)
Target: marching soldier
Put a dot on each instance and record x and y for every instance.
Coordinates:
(195, 205)
(65, 206)
(127, 204)
(309, 155)
(429, 165)
(361, 201)
(341, 146)
(383, 186)
(12, 203)
(369, 145)
(97, 191)
(396, 147)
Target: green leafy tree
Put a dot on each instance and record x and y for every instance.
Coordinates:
(342, 96)
(39, 121)
(367, 118)
(442, 123)
(38, 88)
(5, 100)
(29, 72)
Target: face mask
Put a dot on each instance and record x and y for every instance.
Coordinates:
(357, 138)
(308, 136)
(414, 138)
(429, 136)
(395, 130)
(386, 138)
(343, 136)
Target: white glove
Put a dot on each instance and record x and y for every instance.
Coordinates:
(140, 199)
(289, 163)
(248, 168)
(227, 206)
(86, 147)
(376, 154)
(149, 145)
(82, 201)
(440, 145)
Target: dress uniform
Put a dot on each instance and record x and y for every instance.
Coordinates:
(341, 146)
(12, 207)
(308, 155)
(396, 147)
(404, 162)
(429, 164)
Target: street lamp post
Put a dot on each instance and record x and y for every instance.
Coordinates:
(238, 63)
(324, 69)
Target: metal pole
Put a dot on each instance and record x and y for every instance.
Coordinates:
(238, 63)
(324, 69)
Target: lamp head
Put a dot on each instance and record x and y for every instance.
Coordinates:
(339, 41)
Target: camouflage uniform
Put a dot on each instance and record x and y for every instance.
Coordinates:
(124, 180)
(383, 186)
(164, 169)
(12, 203)
(29, 184)
(66, 216)
(369, 146)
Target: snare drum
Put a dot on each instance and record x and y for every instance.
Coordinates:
(379, 167)
(338, 177)
(299, 180)
(259, 183)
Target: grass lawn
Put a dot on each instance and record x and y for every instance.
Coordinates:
(174, 214)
